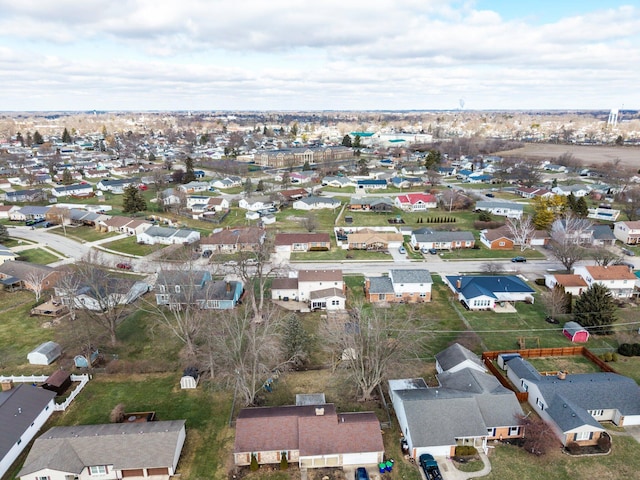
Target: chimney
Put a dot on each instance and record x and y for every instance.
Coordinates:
(562, 375)
(319, 411)
(459, 283)
(228, 287)
(7, 385)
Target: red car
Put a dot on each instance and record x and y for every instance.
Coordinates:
(124, 266)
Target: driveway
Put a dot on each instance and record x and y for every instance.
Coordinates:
(450, 472)
(397, 256)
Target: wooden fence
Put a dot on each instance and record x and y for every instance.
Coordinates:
(58, 407)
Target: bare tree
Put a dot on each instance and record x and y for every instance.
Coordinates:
(433, 176)
(492, 268)
(310, 222)
(36, 278)
(521, 230)
(241, 351)
(368, 346)
(571, 230)
(567, 253)
(539, 438)
(555, 301)
(604, 256)
(631, 206)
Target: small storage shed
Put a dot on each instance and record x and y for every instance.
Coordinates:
(503, 358)
(189, 378)
(80, 361)
(575, 332)
(58, 382)
(44, 354)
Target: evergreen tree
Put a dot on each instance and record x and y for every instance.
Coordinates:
(152, 157)
(189, 174)
(357, 142)
(582, 209)
(594, 309)
(20, 139)
(346, 141)
(29, 140)
(433, 158)
(133, 201)
(37, 138)
(306, 166)
(572, 202)
(66, 137)
(4, 233)
(294, 130)
(296, 341)
(260, 187)
(204, 139)
(248, 186)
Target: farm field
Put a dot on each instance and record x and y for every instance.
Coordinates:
(590, 155)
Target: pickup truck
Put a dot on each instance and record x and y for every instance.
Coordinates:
(430, 467)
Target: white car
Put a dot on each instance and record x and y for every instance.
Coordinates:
(230, 263)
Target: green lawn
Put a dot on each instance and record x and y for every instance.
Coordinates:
(483, 252)
(130, 246)
(14, 242)
(37, 255)
(86, 233)
(338, 254)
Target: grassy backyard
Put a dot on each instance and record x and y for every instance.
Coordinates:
(84, 233)
(38, 255)
(131, 247)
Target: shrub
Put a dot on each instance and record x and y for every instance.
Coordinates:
(117, 414)
(635, 349)
(284, 463)
(625, 349)
(604, 443)
(254, 463)
(607, 357)
(465, 451)
(573, 447)
(614, 357)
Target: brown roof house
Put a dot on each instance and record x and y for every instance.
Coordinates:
(497, 238)
(231, 240)
(619, 279)
(30, 276)
(573, 284)
(314, 436)
(302, 242)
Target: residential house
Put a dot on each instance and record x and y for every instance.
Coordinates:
(338, 182)
(533, 192)
(497, 238)
(100, 292)
(117, 186)
(110, 451)
(312, 436)
(320, 289)
(23, 411)
(167, 236)
(302, 242)
(194, 187)
(501, 208)
(578, 190)
(6, 254)
(232, 240)
(24, 196)
(619, 279)
(488, 292)
(367, 239)
(316, 203)
(575, 404)
(468, 407)
(30, 276)
(77, 189)
(400, 286)
(371, 184)
(227, 182)
(6, 210)
(29, 212)
(256, 203)
(570, 283)
(217, 204)
(130, 226)
(602, 236)
(301, 177)
(425, 238)
(405, 182)
(627, 232)
(370, 204)
(171, 196)
(178, 288)
(416, 202)
(292, 194)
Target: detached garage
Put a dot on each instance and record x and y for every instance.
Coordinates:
(575, 332)
(45, 354)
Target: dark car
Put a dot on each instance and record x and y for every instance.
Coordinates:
(519, 260)
(361, 474)
(433, 251)
(206, 253)
(430, 467)
(124, 266)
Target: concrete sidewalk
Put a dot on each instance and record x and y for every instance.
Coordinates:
(450, 472)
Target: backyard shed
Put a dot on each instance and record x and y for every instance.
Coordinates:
(575, 332)
(189, 378)
(80, 361)
(58, 382)
(44, 354)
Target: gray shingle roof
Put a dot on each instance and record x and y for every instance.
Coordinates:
(410, 276)
(444, 237)
(454, 355)
(379, 285)
(123, 445)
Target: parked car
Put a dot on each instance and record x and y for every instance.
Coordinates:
(206, 253)
(361, 474)
(628, 252)
(230, 263)
(626, 264)
(402, 250)
(250, 261)
(124, 266)
(490, 195)
(433, 251)
(430, 467)
(519, 259)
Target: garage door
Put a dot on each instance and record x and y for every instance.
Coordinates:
(133, 473)
(158, 471)
(360, 458)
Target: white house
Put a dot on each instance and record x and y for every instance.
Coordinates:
(316, 203)
(400, 286)
(256, 203)
(23, 411)
(320, 289)
(577, 190)
(194, 187)
(80, 189)
(486, 292)
(167, 236)
(627, 232)
(619, 279)
(503, 209)
(415, 202)
(571, 283)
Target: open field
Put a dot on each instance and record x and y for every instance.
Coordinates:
(589, 155)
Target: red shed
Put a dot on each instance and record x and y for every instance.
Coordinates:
(575, 332)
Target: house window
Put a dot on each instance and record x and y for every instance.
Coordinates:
(42, 478)
(583, 436)
(501, 244)
(540, 404)
(423, 295)
(98, 470)
(162, 289)
(381, 296)
(596, 413)
(514, 431)
(491, 432)
(335, 302)
(398, 295)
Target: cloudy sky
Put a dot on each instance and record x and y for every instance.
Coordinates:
(321, 55)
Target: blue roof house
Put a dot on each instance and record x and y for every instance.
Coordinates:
(489, 292)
